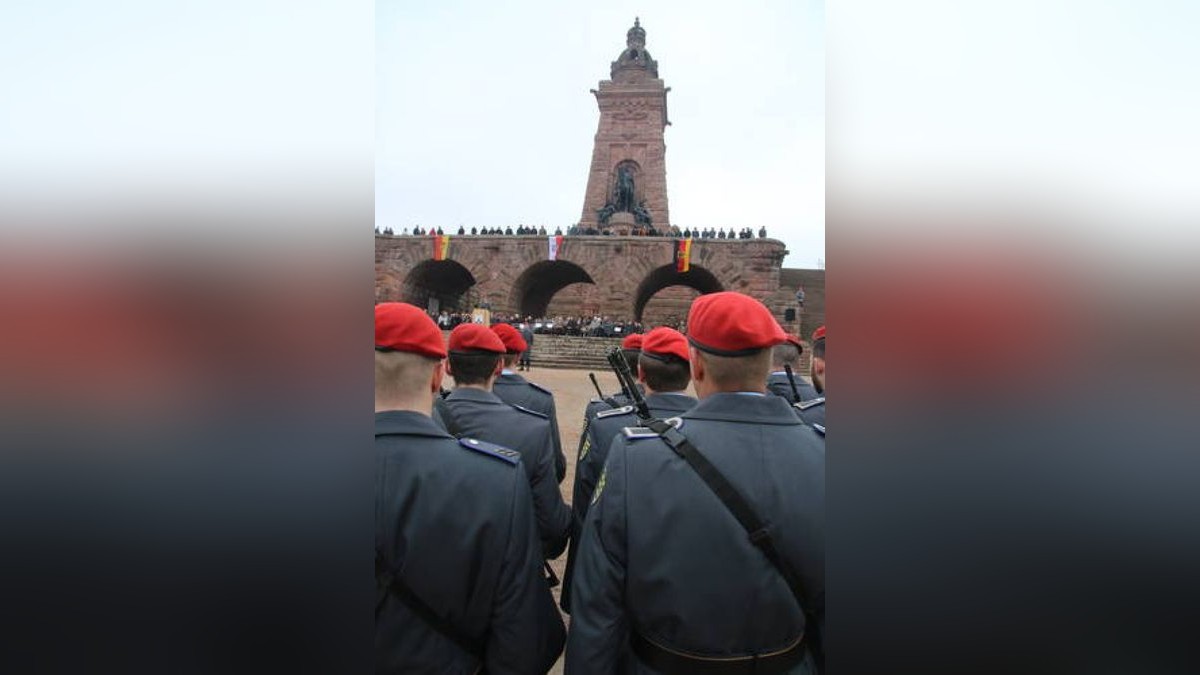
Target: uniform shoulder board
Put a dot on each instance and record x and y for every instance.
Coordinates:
(532, 412)
(639, 432)
(490, 449)
(805, 405)
(820, 429)
(612, 412)
(676, 422)
(541, 388)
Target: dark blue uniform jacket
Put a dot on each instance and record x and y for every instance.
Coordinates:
(457, 523)
(813, 412)
(598, 433)
(516, 390)
(777, 383)
(480, 414)
(660, 554)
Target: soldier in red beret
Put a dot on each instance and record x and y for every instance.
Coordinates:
(631, 347)
(818, 360)
(788, 354)
(516, 390)
(457, 554)
(704, 548)
(664, 372)
(812, 410)
(471, 409)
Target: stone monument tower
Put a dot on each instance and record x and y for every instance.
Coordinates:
(627, 184)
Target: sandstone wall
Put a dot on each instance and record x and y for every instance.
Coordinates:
(618, 276)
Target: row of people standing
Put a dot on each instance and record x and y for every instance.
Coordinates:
(720, 233)
(633, 574)
(521, 230)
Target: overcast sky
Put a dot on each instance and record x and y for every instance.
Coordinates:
(484, 115)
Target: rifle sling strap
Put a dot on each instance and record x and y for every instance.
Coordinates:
(387, 581)
(737, 505)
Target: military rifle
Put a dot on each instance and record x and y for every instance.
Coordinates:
(612, 403)
(628, 385)
(787, 368)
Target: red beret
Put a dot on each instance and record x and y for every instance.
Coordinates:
(401, 327)
(632, 342)
(511, 337)
(732, 324)
(795, 339)
(819, 334)
(664, 341)
(474, 337)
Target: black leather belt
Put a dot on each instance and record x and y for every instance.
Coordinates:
(674, 662)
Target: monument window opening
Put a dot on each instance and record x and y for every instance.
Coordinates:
(542, 281)
(664, 296)
(439, 285)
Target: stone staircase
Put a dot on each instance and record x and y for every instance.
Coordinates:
(565, 351)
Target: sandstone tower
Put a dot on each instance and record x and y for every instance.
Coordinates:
(627, 183)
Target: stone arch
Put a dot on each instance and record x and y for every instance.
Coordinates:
(443, 280)
(697, 278)
(533, 290)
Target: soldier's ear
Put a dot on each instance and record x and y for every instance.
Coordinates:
(438, 372)
(697, 364)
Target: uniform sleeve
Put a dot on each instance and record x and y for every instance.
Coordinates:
(560, 458)
(553, 514)
(599, 628)
(810, 485)
(586, 470)
(527, 632)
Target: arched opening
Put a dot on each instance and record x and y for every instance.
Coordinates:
(438, 285)
(671, 306)
(634, 171)
(538, 284)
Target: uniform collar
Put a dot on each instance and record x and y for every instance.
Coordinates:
(735, 408)
(476, 395)
(670, 400)
(408, 423)
(510, 377)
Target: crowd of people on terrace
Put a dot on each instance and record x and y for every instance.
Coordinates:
(595, 325)
(576, 230)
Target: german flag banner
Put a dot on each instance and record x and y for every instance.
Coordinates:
(555, 245)
(441, 246)
(683, 254)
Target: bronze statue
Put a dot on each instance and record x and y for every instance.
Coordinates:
(602, 215)
(641, 215)
(624, 197)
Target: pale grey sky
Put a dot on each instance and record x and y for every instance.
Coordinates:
(484, 115)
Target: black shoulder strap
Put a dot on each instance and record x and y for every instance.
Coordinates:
(387, 581)
(734, 502)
